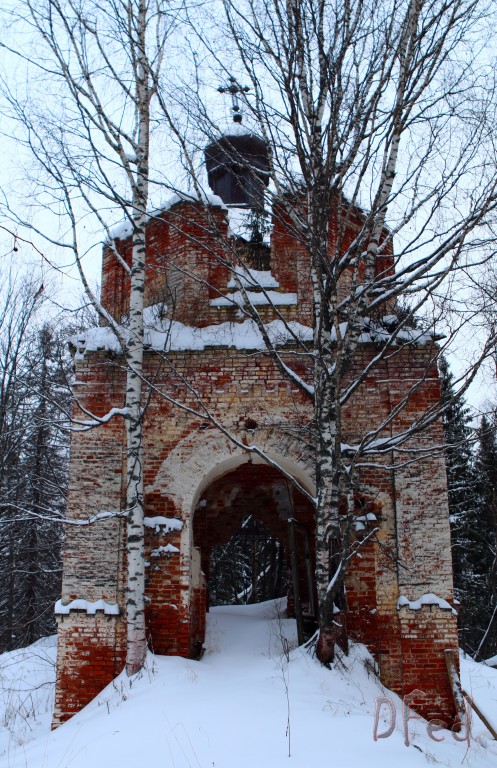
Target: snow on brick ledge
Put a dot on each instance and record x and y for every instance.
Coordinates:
(428, 599)
(166, 523)
(268, 298)
(110, 609)
(174, 336)
(167, 550)
(253, 278)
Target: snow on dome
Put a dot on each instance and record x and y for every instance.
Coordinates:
(238, 129)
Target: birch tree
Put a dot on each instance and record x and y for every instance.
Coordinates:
(98, 65)
(382, 109)
(376, 108)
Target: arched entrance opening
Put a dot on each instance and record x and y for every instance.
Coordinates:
(255, 532)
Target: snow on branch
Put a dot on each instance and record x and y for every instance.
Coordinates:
(97, 421)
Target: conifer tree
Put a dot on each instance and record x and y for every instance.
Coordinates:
(463, 496)
(483, 544)
(33, 460)
(472, 487)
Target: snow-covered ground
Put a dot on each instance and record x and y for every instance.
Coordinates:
(246, 703)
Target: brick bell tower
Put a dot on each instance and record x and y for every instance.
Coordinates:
(199, 485)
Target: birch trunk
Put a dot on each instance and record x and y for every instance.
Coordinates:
(327, 410)
(135, 603)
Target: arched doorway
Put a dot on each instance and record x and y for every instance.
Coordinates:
(255, 534)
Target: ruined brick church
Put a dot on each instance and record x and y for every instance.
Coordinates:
(200, 484)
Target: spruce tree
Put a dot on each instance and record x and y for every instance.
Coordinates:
(463, 490)
(484, 541)
(33, 462)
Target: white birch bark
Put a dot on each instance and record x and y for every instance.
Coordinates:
(135, 605)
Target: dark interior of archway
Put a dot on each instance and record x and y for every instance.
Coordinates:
(249, 568)
(241, 529)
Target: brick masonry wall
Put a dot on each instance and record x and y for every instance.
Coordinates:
(236, 388)
(185, 456)
(426, 633)
(188, 247)
(91, 653)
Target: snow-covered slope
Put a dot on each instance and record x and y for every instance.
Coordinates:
(246, 703)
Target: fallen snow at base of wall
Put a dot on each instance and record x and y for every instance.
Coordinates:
(428, 599)
(246, 703)
(27, 693)
(63, 609)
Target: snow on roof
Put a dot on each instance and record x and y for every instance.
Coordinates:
(189, 197)
(120, 231)
(428, 599)
(381, 331)
(176, 337)
(110, 609)
(253, 278)
(257, 299)
(123, 229)
(167, 550)
(162, 334)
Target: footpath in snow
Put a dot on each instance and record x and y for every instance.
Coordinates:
(252, 699)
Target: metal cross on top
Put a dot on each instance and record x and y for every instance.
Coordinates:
(234, 89)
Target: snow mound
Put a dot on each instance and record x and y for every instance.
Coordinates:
(253, 698)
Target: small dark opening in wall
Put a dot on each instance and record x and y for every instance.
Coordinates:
(250, 425)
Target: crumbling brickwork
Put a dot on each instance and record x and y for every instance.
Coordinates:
(189, 464)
